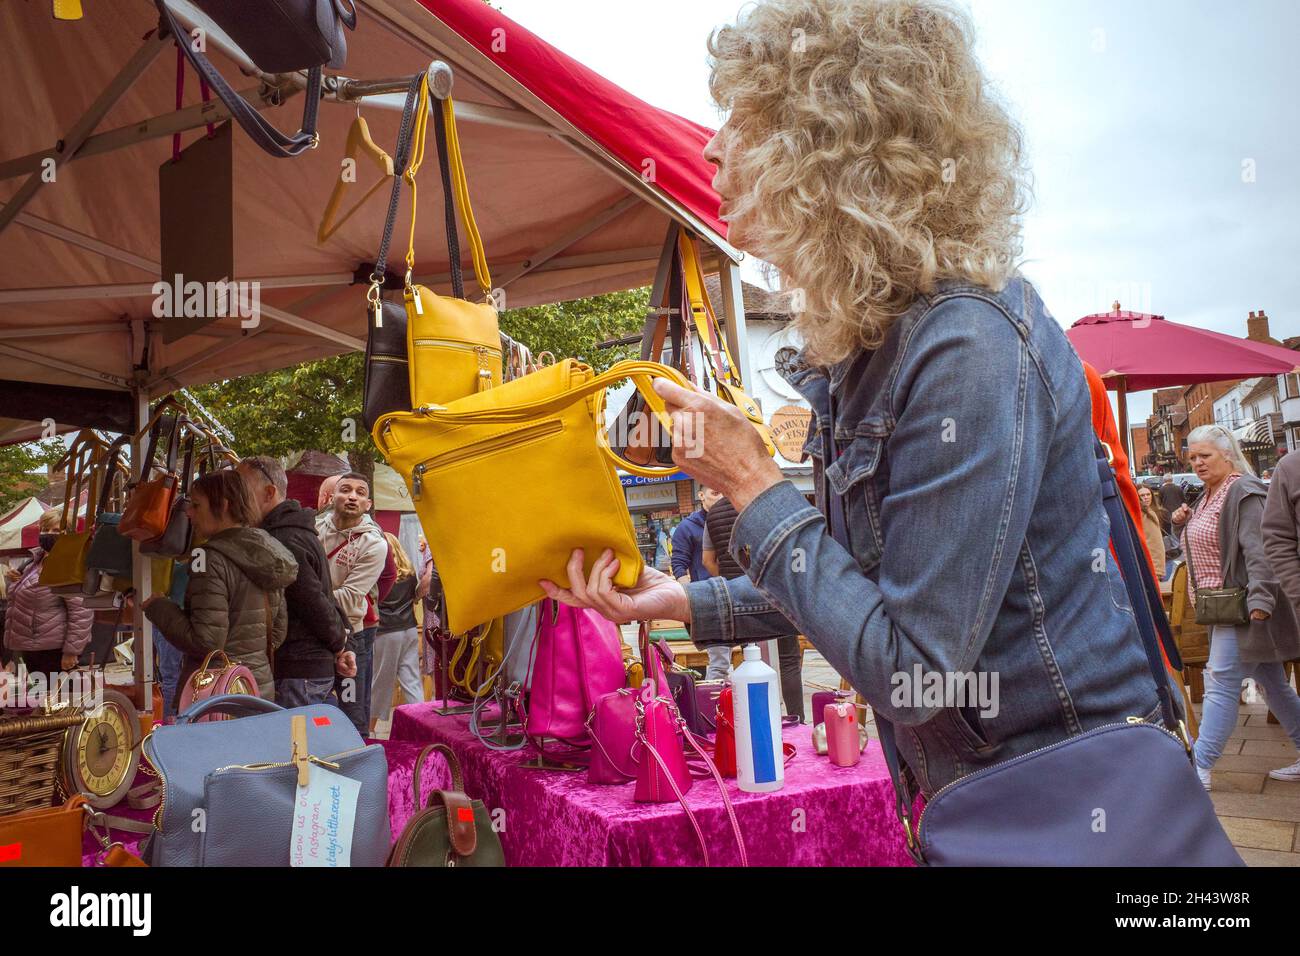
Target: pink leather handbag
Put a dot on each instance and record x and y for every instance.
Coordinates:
(576, 660)
(612, 727)
(230, 677)
(662, 774)
(843, 743)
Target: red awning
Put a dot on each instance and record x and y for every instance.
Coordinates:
(628, 127)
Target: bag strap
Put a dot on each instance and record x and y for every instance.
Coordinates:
(714, 344)
(453, 762)
(255, 125)
(455, 192)
(717, 778)
(110, 466)
(401, 160)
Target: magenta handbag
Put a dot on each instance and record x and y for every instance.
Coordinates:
(576, 660)
(612, 727)
(662, 774)
(230, 677)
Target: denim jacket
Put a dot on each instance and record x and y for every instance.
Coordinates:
(978, 541)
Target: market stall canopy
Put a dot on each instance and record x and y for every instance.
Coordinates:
(25, 513)
(573, 181)
(1139, 351)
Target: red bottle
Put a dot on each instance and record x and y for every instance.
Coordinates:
(724, 742)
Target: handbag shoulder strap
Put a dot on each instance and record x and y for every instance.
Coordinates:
(255, 125)
(712, 341)
(416, 92)
(110, 466)
(455, 192)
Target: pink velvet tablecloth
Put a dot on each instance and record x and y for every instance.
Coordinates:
(824, 816)
(401, 800)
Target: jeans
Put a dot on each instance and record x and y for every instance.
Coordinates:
(719, 662)
(1223, 676)
(790, 662)
(354, 692)
(301, 691)
(396, 660)
(167, 660)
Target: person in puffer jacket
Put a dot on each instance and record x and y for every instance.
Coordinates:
(49, 630)
(235, 603)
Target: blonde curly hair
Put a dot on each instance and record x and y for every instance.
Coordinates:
(874, 158)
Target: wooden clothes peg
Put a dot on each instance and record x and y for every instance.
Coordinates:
(67, 9)
(359, 144)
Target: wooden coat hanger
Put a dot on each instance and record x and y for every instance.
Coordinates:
(359, 144)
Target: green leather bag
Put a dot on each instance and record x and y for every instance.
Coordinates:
(1225, 606)
(452, 830)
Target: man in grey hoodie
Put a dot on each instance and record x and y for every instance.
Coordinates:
(356, 550)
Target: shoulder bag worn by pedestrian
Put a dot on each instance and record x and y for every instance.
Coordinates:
(279, 36)
(1039, 809)
(1225, 606)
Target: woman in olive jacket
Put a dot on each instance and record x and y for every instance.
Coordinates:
(235, 601)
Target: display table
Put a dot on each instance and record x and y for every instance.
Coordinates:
(824, 816)
(401, 804)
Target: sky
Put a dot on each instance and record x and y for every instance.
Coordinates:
(1163, 137)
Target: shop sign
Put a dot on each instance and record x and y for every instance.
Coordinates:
(789, 425)
(633, 481)
(659, 494)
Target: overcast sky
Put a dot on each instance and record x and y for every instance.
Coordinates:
(1142, 117)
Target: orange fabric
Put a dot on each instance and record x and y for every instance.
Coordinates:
(1103, 423)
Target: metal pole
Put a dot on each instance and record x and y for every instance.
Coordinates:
(141, 570)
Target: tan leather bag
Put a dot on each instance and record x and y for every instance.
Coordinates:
(46, 837)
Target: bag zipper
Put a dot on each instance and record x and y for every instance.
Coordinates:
(484, 446)
(1128, 721)
(453, 344)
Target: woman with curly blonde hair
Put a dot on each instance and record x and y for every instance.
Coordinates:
(866, 157)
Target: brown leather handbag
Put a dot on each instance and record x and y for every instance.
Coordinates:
(45, 837)
(149, 507)
(452, 830)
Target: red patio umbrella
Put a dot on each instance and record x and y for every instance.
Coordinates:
(1136, 351)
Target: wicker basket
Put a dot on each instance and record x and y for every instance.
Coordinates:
(30, 748)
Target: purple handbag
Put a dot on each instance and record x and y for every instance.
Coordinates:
(576, 660)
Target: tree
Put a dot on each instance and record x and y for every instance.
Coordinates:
(317, 405)
(19, 477)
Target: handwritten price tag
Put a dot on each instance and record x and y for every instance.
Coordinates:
(323, 816)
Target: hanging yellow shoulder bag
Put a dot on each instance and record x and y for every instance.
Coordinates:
(64, 568)
(453, 345)
(533, 455)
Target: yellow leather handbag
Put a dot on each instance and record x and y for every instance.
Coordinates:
(533, 455)
(64, 568)
(453, 345)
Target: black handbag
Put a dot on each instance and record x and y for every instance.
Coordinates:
(388, 380)
(110, 550)
(174, 542)
(280, 36)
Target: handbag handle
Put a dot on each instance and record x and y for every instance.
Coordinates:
(255, 125)
(453, 762)
(109, 460)
(641, 373)
(207, 661)
(78, 464)
(235, 705)
(714, 344)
